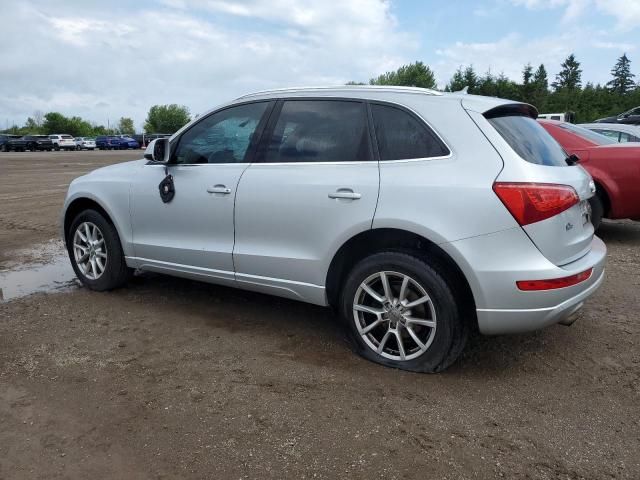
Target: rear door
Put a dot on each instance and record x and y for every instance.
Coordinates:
(531, 155)
(314, 187)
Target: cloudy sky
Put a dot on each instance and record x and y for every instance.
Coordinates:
(106, 59)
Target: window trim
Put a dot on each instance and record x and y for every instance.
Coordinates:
(419, 119)
(253, 145)
(275, 116)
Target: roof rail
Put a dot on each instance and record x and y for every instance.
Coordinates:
(388, 88)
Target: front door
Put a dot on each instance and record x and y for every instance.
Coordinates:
(194, 232)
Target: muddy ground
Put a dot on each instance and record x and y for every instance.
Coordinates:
(174, 379)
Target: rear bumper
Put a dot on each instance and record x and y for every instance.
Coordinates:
(493, 263)
(501, 321)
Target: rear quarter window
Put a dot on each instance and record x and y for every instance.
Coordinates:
(529, 140)
(401, 136)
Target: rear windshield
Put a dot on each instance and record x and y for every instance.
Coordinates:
(530, 140)
(594, 137)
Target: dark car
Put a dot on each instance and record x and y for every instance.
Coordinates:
(31, 142)
(632, 117)
(108, 142)
(128, 142)
(5, 138)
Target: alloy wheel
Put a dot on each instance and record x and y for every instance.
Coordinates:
(89, 250)
(394, 315)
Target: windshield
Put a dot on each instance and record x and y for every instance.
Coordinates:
(590, 135)
(530, 140)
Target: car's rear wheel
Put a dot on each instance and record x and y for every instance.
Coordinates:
(400, 312)
(96, 253)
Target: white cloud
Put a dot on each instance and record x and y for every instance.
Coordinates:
(626, 12)
(83, 59)
(507, 55)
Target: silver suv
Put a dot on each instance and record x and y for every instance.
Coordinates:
(418, 216)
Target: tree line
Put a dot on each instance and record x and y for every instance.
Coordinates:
(566, 93)
(160, 119)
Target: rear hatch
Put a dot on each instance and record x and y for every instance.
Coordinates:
(546, 195)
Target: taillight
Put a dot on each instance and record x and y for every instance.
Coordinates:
(534, 202)
(552, 284)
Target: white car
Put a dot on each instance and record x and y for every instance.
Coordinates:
(85, 143)
(62, 141)
(621, 133)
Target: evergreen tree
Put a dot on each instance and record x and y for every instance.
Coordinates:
(570, 77)
(540, 89)
(470, 79)
(622, 82)
(457, 81)
(528, 87)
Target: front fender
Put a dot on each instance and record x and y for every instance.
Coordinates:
(113, 198)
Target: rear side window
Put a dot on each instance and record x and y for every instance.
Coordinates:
(530, 140)
(401, 136)
(319, 131)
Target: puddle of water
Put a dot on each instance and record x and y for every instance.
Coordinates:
(53, 276)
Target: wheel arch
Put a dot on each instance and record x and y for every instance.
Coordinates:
(376, 240)
(80, 204)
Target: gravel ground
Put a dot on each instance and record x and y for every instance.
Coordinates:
(170, 378)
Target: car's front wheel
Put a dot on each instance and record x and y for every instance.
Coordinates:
(400, 312)
(96, 253)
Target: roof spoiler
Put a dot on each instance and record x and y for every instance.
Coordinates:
(511, 109)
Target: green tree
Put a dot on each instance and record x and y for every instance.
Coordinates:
(570, 77)
(622, 82)
(457, 81)
(413, 75)
(54, 122)
(166, 118)
(540, 88)
(351, 82)
(527, 88)
(470, 79)
(125, 126)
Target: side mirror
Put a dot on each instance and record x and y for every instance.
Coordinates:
(158, 150)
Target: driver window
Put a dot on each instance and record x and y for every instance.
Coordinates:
(223, 137)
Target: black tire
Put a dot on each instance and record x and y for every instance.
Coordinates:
(597, 210)
(116, 272)
(56, 148)
(451, 331)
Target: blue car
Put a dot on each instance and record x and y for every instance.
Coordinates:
(108, 142)
(128, 142)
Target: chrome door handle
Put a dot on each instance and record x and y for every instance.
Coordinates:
(219, 189)
(345, 193)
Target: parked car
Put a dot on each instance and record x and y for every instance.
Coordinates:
(62, 141)
(85, 143)
(128, 142)
(565, 116)
(631, 117)
(621, 133)
(417, 215)
(4, 141)
(615, 168)
(31, 142)
(108, 142)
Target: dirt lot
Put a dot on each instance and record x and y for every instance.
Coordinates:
(174, 379)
